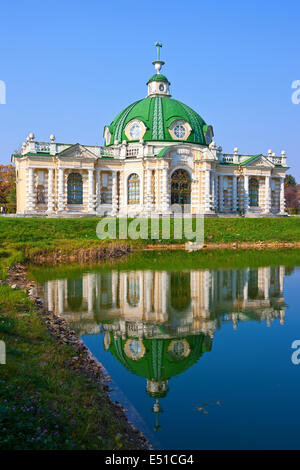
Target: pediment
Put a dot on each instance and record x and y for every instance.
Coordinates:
(259, 162)
(77, 152)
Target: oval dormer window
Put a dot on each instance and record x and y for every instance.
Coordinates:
(135, 131)
(179, 131)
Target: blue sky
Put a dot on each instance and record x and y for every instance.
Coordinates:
(71, 66)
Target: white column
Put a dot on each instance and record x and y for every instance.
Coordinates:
(114, 287)
(266, 283)
(205, 290)
(267, 194)
(61, 190)
(234, 194)
(156, 179)
(60, 295)
(213, 191)
(246, 281)
(221, 195)
(164, 290)
(98, 189)
(234, 284)
(282, 198)
(91, 195)
(165, 191)
(246, 193)
(50, 296)
(114, 194)
(91, 288)
(30, 190)
(149, 198)
(50, 190)
(281, 278)
(216, 192)
(206, 191)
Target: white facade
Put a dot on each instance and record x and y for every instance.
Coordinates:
(158, 152)
(219, 183)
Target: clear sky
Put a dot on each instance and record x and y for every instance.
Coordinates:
(71, 66)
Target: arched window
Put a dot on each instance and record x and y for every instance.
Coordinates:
(133, 289)
(133, 189)
(74, 188)
(181, 187)
(253, 192)
(75, 293)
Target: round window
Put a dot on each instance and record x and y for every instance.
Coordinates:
(178, 349)
(135, 131)
(179, 131)
(161, 87)
(135, 348)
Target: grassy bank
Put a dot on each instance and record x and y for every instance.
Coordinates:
(44, 404)
(24, 239)
(50, 232)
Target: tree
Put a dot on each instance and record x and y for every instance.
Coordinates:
(290, 180)
(7, 186)
(292, 194)
(12, 200)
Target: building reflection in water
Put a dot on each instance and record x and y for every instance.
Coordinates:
(157, 324)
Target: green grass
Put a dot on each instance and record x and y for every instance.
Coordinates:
(43, 403)
(49, 233)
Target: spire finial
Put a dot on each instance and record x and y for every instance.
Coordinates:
(158, 46)
(158, 63)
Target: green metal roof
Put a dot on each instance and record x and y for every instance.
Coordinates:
(158, 77)
(157, 363)
(251, 158)
(163, 151)
(32, 154)
(157, 113)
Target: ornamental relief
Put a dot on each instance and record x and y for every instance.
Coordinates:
(260, 164)
(185, 159)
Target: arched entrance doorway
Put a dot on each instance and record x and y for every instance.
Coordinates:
(181, 187)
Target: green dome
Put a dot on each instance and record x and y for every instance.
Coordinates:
(158, 77)
(157, 363)
(157, 113)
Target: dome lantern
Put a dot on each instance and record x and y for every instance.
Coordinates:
(158, 84)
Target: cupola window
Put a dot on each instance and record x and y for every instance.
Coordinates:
(135, 131)
(134, 349)
(179, 131)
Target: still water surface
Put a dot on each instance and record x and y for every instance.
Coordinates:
(201, 358)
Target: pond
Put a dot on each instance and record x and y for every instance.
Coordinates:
(199, 347)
